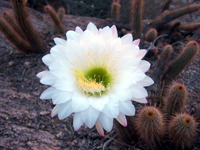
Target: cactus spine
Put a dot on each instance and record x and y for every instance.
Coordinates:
(187, 54)
(151, 35)
(176, 98)
(182, 130)
(150, 125)
(136, 16)
(57, 18)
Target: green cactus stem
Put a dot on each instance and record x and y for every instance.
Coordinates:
(14, 37)
(136, 18)
(61, 13)
(151, 35)
(188, 53)
(168, 16)
(55, 17)
(32, 36)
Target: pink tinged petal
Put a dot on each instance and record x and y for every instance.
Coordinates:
(147, 81)
(144, 65)
(122, 119)
(136, 42)
(78, 30)
(98, 102)
(48, 59)
(92, 28)
(89, 116)
(55, 110)
(79, 102)
(114, 31)
(48, 79)
(47, 94)
(59, 41)
(60, 97)
(77, 121)
(127, 39)
(99, 128)
(72, 35)
(106, 122)
(138, 91)
(111, 108)
(41, 74)
(127, 108)
(140, 100)
(141, 53)
(65, 110)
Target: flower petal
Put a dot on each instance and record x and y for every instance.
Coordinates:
(77, 122)
(98, 102)
(144, 65)
(127, 108)
(122, 119)
(72, 35)
(146, 81)
(140, 100)
(127, 39)
(138, 91)
(60, 97)
(79, 30)
(47, 94)
(106, 122)
(92, 28)
(64, 110)
(111, 108)
(80, 102)
(59, 41)
(99, 128)
(55, 111)
(89, 116)
(114, 32)
(48, 59)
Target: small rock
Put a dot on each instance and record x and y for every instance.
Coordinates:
(27, 64)
(10, 63)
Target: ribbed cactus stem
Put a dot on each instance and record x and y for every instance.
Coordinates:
(54, 16)
(14, 37)
(168, 16)
(115, 10)
(175, 99)
(186, 56)
(31, 34)
(150, 126)
(61, 13)
(182, 130)
(136, 13)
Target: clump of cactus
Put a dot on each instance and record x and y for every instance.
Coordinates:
(56, 17)
(19, 31)
(182, 130)
(175, 99)
(150, 125)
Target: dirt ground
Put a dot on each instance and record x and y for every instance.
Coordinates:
(25, 121)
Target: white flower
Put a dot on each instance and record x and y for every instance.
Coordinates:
(95, 75)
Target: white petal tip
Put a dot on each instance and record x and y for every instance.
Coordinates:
(136, 42)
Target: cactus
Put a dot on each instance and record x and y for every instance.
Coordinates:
(175, 99)
(14, 37)
(115, 10)
(150, 125)
(56, 18)
(61, 13)
(167, 4)
(189, 26)
(186, 56)
(136, 16)
(151, 35)
(182, 130)
(168, 16)
(32, 36)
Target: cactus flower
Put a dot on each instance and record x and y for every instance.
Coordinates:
(95, 75)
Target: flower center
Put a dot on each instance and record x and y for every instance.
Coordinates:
(94, 81)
